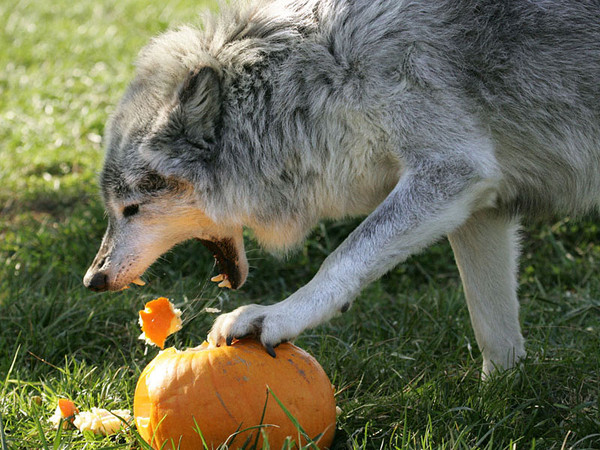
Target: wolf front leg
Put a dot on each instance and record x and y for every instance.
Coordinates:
(486, 251)
(428, 202)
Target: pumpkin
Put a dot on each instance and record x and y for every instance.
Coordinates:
(219, 391)
(158, 320)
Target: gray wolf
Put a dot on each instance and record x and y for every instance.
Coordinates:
(434, 118)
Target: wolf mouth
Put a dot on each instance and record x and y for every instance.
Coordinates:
(226, 257)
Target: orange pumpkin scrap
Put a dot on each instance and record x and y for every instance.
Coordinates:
(65, 410)
(159, 319)
(221, 390)
(98, 420)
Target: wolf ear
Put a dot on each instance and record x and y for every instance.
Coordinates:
(183, 149)
(200, 100)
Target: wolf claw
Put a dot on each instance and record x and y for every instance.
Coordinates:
(270, 350)
(259, 322)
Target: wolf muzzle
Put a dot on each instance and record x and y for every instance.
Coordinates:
(97, 282)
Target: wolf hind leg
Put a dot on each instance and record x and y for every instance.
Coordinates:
(486, 249)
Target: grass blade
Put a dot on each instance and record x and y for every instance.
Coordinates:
(2, 435)
(308, 439)
(38, 425)
(3, 396)
(199, 431)
(262, 417)
(9, 372)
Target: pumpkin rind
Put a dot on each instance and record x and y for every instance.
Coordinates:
(224, 389)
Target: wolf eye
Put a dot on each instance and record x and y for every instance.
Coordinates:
(130, 210)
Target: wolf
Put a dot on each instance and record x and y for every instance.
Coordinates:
(435, 118)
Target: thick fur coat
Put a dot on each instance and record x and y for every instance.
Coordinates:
(432, 118)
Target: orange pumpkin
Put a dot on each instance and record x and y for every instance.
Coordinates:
(223, 390)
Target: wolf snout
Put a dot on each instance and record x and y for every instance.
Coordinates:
(96, 277)
(96, 281)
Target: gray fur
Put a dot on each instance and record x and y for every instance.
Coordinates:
(277, 114)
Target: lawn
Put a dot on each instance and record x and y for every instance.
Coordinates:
(403, 359)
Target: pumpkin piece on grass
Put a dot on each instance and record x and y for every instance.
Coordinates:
(224, 390)
(102, 421)
(65, 410)
(98, 420)
(158, 320)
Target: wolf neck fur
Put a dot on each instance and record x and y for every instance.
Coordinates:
(289, 129)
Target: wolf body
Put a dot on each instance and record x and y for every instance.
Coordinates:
(433, 118)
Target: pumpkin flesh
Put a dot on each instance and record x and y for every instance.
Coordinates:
(158, 320)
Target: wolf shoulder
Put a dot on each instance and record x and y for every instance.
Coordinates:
(526, 74)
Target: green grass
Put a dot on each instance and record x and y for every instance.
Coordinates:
(403, 359)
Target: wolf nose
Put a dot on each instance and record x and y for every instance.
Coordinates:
(98, 282)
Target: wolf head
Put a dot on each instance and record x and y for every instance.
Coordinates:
(205, 139)
(160, 156)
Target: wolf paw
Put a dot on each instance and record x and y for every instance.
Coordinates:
(264, 323)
